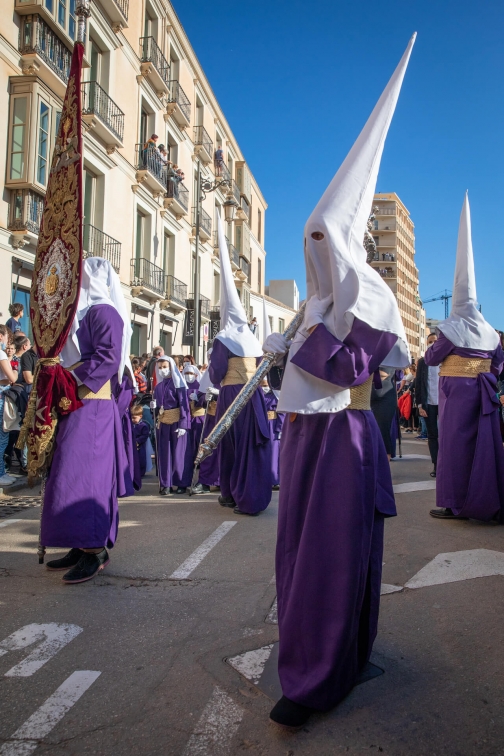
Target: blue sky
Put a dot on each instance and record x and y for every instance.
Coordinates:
(297, 81)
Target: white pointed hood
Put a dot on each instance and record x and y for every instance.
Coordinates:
(235, 332)
(466, 327)
(336, 264)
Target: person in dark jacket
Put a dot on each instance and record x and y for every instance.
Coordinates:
(426, 390)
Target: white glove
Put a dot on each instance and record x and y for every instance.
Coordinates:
(211, 391)
(180, 432)
(193, 396)
(315, 310)
(153, 404)
(277, 343)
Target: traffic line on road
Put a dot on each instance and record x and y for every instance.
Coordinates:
(411, 456)
(421, 485)
(251, 663)
(26, 739)
(7, 522)
(200, 553)
(53, 636)
(216, 727)
(455, 566)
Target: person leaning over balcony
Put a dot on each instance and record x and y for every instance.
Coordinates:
(16, 311)
(219, 161)
(149, 149)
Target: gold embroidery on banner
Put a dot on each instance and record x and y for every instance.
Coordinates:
(64, 403)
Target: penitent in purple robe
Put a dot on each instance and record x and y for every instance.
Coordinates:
(123, 394)
(209, 468)
(336, 490)
(88, 469)
(171, 449)
(275, 427)
(193, 434)
(141, 433)
(470, 465)
(244, 452)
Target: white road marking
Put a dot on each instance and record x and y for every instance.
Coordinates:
(216, 727)
(53, 636)
(421, 485)
(412, 456)
(387, 588)
(459, 565)
(7, 522)
(197, 556)
(272, 617)
(251, 663)
(28, 736)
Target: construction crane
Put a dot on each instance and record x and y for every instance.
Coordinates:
(446, 296)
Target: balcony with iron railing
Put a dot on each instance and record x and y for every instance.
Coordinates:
(176, 197)
(243, 210)
(205, 225)
(43, 53)
(235, 192)
(146, 275)
(386, 272)
(178, 105)
(117, 11)
(98, 244)
(203, 145)
(245, 268)
(101, 113)
(150, 169)
(25, 213)
(176, 293)
(385, 210)
(234, 256)
(154, 65)
(204, 305)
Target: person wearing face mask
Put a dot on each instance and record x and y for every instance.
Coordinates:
(7, 376)
(336, 485)
(173, 422)
(275, 421)
(245, 450)
(192, 377)
(207, 399)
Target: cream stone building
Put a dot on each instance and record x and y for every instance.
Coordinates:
(394, 235)
(141, 77)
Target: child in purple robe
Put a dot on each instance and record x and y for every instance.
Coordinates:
(173, 422)
(141, 433)
(191, 375)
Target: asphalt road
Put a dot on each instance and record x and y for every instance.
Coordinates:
(136, 662)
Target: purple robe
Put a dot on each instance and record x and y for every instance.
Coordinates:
(88, 469)
(141, 432)
(171, 449)
(275, 427)
(209, 468)
(123, 393)
(336, 490)
(470, 465)
(245, 450)
(193, 434)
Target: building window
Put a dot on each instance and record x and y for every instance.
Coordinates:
(259, 276)
(140, 229)
(281, 325)
(19, 122)
(62, 13)
(72, 24)
(49, 5)
(270, 322)
(43, 144)
(259, 227)
(135, 338)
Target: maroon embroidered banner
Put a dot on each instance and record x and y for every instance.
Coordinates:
(56, 280)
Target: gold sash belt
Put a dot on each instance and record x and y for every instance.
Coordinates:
(103, 393)
(272, 415)
(169, 416)
(240, 370)
(196, 411)
(212, 408)
(464, 367)
(360, 396)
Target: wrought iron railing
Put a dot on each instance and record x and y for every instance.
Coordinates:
(150, 53)
(222, 173)
(176, 190)
(149, 159)
(385, 211)
(386, 272)
(245, 267)
(176, 290)
(204, 305)
(234, 255)
(123, 6)
(245, 207)
(202, 137)
(235, 191)
(98, 244)
(205, 221)
(96, 101)
(35, 36)
(216, 240)
(145, 273)
(177, 94)
(25, 211)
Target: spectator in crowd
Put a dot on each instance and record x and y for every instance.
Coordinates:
(187, 359)
(150, 368)
(7, 377)
(384, 408)
(427, 399)
(219, 161)
(253, 325)
(10, 351)
(16, 313)
(143, 448)
(174, 420)
(139, 376)
(28, 361)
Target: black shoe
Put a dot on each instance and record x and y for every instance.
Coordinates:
(433, 473)
(289, 714)
(205, 489)
(441, 513)
(198, 489)
(87, 567)
(249, 514)
(70, 560)
(227, 501)
(275, 488)
(181, 490)
(164, 491)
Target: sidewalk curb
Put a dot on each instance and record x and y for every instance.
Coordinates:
(17, 486)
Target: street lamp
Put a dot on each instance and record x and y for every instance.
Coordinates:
(203, 187)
